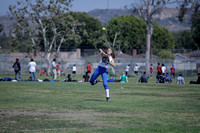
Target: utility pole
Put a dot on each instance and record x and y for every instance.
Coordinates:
(107, 4)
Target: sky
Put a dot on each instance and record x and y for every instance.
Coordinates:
(78, 5)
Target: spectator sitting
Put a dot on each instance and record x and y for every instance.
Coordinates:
(144, 78)
(113, 80)
(69, 79)
(109, 79)
(167, 78)
(180, 79)
(86, 77)
(62, 73)
(123, 78)
(161, 78)
(196, 82)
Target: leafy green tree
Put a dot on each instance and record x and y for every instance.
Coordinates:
(91, 30)
(162, 38)
(184, 40)
(5, 41)
(126, 32)
(196, 26)
(43, 23)
(165, 55)
(192, 7)
(132, 34)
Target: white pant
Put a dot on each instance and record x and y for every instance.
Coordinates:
(54, 74)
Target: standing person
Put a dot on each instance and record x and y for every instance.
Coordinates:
(180, 79)
(151, 70)
(144, 78)
(89, 68)
(123, 78)
(58, 69)
(32, 69)
(127, 69)
(159, 72)
(163, 68)
(17, 68)
(74, 70)
(107, 59)
(53, 67)
(136, 70)
(172, 71)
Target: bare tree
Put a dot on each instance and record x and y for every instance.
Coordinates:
(190, 7)
(41, 19)
(146, 9)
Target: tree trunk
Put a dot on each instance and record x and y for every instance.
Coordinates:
(148, 42)
(47, 58)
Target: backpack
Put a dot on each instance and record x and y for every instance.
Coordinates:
(16, 68)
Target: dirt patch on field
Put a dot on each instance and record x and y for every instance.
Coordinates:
(38, 91)
(96, 119)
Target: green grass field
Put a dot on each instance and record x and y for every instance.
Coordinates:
(80, 107)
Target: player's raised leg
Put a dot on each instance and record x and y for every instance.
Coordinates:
(95, 75)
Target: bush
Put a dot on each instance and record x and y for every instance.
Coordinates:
(165, 55)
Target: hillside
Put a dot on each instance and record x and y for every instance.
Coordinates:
(7, 23)
(167, 17)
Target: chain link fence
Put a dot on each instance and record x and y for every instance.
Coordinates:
(186, 66)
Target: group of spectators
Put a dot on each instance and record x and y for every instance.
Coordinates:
(161, 77)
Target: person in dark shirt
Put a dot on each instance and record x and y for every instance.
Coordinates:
(198, 80)
(17, 69)
(86, 77)
(162, 78)
(144, 78)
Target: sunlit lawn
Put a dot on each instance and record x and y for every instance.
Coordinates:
(80, 107)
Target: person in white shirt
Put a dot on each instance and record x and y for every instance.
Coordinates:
(180, 79)
(127, 69)
(53, 67)
(163, 68)
(136, 70)
(32, 69)
(74, 70)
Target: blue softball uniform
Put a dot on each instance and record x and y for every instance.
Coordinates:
(101, 70)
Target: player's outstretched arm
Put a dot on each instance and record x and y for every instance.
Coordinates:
(102, 52)
(112, 63)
